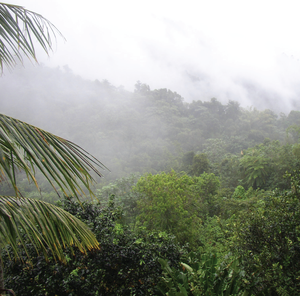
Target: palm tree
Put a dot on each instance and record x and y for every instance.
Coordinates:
(28, 148)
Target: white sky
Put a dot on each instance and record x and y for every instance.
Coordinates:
(201, 49)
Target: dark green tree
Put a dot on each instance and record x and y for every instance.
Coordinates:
(200, 164)
(268, 243)
(126, 264)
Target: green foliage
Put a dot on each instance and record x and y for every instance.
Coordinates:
(240, 192)
(124, 197)
(215, 149)
(200, 165)
(229, 172)
(296, 150)
(264, 165)
(207, 186)
(29, 148)
(153, 129)
(217, 236)
(255, 168)
(268, 242)
(169, 204)
(195, 164)
(63, 163)
(187, 160)
(126, 264)
(175, 203)
(48, 228)
(204, 275)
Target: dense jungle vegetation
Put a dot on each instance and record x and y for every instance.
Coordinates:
(202, 197)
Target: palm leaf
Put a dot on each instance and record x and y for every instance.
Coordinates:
(47, 227)
(19, 28)
(62, 162)
(26, 147)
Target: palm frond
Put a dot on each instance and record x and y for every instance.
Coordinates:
(26, 147)
(62, 162)
(48, 227)
(19, 28)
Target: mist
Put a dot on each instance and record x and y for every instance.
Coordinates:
(194, 109)
(85, 90)
(234, 51)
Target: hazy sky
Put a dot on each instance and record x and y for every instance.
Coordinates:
(201, 49)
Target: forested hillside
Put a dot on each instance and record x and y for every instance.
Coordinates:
(202, 197)
(145, 130)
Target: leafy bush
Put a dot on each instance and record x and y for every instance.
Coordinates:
(125, 197)
(269, 245)
(175, 203)
(127, 264)
(203, 276)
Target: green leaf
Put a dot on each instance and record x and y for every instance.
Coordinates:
(19, 28)
(48, 227)
(62, 162)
